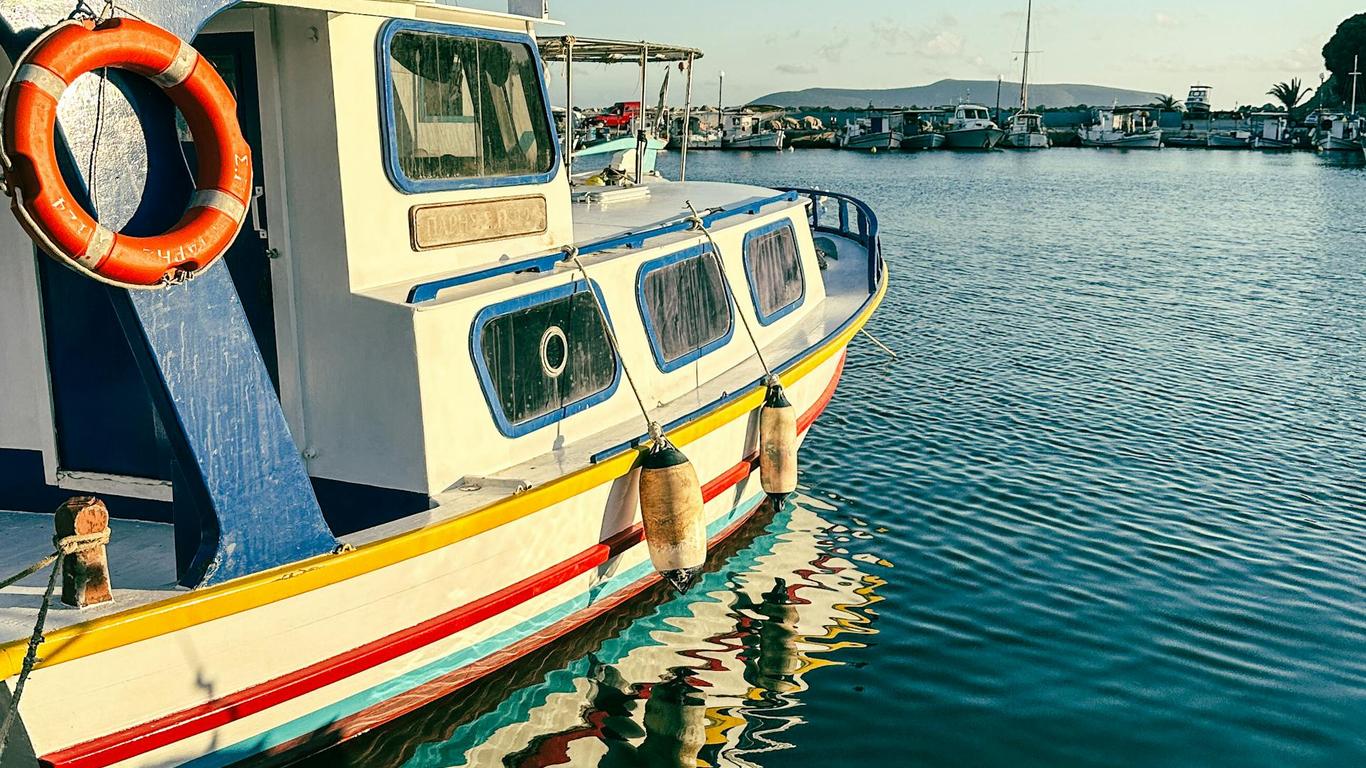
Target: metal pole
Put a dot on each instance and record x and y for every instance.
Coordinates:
(642, 137)
(720, 110)
(687, 125)
(569, 105)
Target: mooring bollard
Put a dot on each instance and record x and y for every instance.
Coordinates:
(85, 573)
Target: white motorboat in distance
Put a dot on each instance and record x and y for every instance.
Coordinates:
(1122, 128)
(742, 129)
(972, 128)
(1024, 129)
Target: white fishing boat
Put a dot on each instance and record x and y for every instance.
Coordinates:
(377, 399)
(1271, 131)
(972, 128)
(1338, 133)
(878, 130)
(1025, 129)
(1121, 128)
(742, 129)
(1341, 132)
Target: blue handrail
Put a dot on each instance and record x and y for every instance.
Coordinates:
(861, 228)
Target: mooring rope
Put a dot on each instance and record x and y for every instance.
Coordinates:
(61, 547)
(571, 253)
(698, 224)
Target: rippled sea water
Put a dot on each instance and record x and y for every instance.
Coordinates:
(1106, 508)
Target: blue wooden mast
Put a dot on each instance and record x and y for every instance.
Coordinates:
(243, 501)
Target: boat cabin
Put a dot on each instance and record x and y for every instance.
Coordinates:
(1198, 100)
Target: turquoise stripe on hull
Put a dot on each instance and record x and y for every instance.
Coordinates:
(363, 700)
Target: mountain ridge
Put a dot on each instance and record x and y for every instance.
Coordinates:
(951, 91)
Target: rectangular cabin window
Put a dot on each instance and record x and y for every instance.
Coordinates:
(465, 108)
(543, 357)
(774, 269)
(685, 305)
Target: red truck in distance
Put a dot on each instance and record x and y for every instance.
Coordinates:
(619, 116)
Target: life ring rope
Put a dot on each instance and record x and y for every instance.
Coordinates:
(44, 204)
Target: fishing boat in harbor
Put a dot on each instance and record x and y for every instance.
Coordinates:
(923, 129)
(1271, 131)
(1025, 129)
(1337, 133)
(1229, 139)
(743, 129)
(972, 128)
(387, 398)
(877, 131)
(1121, 128)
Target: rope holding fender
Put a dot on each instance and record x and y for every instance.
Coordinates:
(770, 379)
(657, 437)
(61, 546)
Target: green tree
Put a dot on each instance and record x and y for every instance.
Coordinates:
(1167, 104)
(1340, 53)
(1290, 94)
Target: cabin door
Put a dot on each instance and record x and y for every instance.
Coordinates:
(105, 423)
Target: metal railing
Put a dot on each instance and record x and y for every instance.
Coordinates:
(840, 214)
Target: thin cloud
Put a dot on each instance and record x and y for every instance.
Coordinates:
(797, 69)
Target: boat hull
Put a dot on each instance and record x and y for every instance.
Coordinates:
(1228, 142)
(760, 141)
(974, 138)
(331, 659)
(922, 142)
(1152, 140)
(882, 140)
(1334, 144)
(1026, 140)
(1271, 145)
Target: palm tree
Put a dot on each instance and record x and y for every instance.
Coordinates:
(1290, 94)
(1167, 104)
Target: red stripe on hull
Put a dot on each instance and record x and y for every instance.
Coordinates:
(155, 734)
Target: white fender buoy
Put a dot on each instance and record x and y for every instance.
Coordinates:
(671, 511)
(777, 443)
(875, 150)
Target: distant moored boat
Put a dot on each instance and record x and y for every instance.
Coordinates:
(972, 128)
(1122, 128)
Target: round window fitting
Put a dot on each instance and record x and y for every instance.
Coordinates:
(554, 351)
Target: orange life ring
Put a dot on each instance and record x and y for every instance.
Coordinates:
(42, 200)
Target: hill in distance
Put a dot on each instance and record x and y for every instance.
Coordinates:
(947, 92)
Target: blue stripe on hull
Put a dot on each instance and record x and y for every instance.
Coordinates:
(359, 702)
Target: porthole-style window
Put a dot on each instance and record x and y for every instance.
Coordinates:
(685, 306)
(543, 357)
(774, 270)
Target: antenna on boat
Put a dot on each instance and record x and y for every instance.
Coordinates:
(1355, 73)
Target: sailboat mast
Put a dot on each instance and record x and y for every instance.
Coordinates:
(1024, 75)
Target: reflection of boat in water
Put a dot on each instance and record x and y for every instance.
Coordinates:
(705, 680)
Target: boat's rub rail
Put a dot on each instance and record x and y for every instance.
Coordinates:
(430, 290)
(193, 608)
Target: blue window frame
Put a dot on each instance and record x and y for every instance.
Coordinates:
(543, 357)
(393, 157)
(773, 269)
(685, 305)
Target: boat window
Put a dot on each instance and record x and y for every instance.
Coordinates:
(774, 269)
(685, 306)
(543, 357)
(467, 108)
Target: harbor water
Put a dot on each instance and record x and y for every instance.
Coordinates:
(1107, 507)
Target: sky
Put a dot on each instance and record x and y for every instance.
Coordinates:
(1240, 47)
